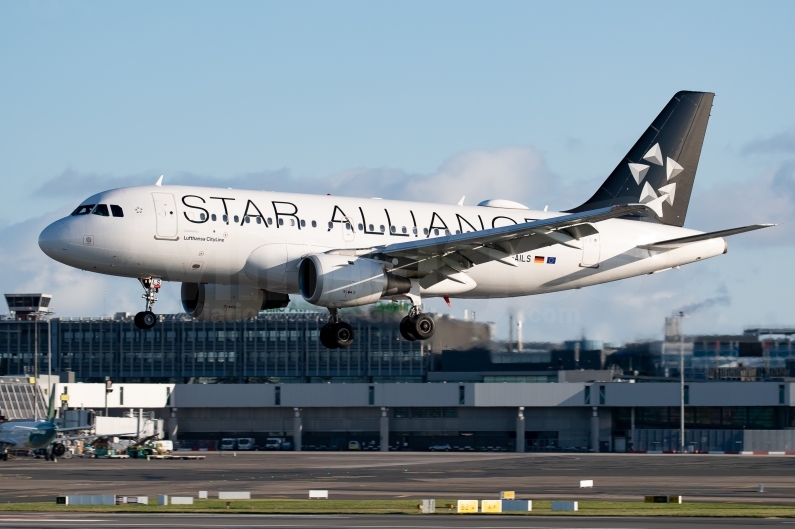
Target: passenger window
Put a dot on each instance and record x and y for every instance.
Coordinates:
(392, 229)
(213, 217)
(116, 210)
(303, 223)
(259, 220)
(101, 210)
(404, 229)
(330, 225)
(225, 219)
(292, 222)
(436, 232)
(281, 222)
(361, 228)
(248, 219)
(270, 221)
(237, 219)
(425, 231)
(314, 224)
(202, 217)
(382, 228)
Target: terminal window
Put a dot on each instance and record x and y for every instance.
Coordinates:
(426, 413)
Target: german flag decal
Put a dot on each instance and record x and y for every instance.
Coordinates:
(539, 259)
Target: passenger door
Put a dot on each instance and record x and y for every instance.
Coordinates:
(166, 212)
(590, 250)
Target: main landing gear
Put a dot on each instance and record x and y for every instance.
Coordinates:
(147, 319)
(336, 334)
(416, 325)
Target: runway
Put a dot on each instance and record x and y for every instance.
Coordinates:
(99, 521)
(374, 475)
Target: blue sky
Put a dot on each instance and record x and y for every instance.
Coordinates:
(529, 100)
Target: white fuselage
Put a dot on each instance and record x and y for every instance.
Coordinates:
(179, 233)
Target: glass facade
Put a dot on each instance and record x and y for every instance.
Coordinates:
(273, 346)
(719, 417)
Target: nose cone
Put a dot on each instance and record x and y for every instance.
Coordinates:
(54, 239)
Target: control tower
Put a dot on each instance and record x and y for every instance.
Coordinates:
(28, 307)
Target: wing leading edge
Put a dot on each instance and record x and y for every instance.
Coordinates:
(492, 241)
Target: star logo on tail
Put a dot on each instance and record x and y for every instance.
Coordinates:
(667, 193)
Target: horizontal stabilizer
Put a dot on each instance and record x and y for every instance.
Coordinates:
(676, 243)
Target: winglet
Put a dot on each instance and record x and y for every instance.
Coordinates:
(461, 202)
(159, 181)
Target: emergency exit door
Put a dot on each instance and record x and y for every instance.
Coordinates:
(166, 212)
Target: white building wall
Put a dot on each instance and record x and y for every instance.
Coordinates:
(123, 395)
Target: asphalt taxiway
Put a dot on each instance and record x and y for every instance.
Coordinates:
(374, 475)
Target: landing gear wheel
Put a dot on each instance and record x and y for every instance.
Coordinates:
(145, 320)
(58, 450)
(326, 337)
(422, 326)
(342, 334)
(405, 329)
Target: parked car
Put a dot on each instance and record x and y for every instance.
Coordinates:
(353, 445)
(246, 443)
(440, 448)
(273, 443)
(228, 444)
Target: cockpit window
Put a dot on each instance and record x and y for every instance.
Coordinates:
(101, 210)
(116, 210)
(83, 210)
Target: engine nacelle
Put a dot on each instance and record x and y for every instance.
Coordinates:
(213, 302)
(339, 281)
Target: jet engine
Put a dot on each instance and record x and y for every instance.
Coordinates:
(212, 302)
(338, 281)
(58, 449)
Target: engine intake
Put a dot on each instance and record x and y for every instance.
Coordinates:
(213, 302)
(338, 281)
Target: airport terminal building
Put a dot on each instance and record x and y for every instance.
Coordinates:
(268, 377)
(563, 416)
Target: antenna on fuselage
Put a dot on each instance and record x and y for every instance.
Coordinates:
(159, 181)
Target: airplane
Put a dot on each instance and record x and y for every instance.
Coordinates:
(237, 252)
(33, 435)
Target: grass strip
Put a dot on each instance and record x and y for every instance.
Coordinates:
(540, 508)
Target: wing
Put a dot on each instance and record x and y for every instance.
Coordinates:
(445, 257)
(89, 436)
(670, 244)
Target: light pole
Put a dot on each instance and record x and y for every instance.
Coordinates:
(681, 316)
(108, 390)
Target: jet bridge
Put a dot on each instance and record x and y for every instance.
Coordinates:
(21, 398)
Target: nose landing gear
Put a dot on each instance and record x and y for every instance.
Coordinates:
(147, 319)
(336, 334)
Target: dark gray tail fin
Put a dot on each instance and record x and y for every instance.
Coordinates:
(660, 168)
